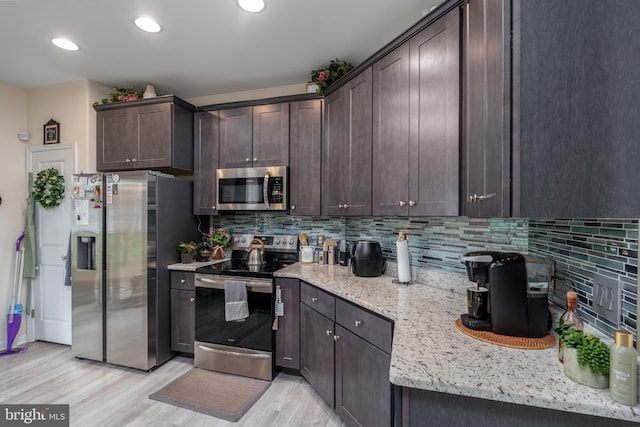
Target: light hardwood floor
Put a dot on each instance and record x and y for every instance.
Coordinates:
(107, 395)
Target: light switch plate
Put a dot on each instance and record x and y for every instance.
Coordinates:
(606, 298)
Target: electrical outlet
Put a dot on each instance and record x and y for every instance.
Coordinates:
(606, 298)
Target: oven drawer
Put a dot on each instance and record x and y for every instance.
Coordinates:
(184, 280)
(232, 360)
(371, 327)
(321, 301)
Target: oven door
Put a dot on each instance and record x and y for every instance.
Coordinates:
(235, 347)
(211, 326)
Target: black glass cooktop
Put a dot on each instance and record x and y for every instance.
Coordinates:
(238, 265)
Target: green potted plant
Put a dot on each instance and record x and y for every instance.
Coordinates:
(218, 240)
(187, 251)
(586, 358)
(325, 76)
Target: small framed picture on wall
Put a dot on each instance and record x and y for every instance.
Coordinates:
(52, 132)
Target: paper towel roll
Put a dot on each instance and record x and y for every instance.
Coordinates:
(404, 270)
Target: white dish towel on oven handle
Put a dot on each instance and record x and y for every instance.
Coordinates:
(235, 300)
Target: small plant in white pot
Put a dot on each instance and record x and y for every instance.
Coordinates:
(586, 358)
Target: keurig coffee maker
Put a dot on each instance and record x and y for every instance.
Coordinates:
(514, 307)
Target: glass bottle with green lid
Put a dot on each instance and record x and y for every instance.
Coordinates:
(623, 373)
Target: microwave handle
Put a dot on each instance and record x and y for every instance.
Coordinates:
(265, 189)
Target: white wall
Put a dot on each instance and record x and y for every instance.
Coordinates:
(13, 118)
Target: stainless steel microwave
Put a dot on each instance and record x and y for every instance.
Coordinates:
(252, 189)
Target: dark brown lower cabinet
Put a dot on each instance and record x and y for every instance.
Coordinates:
(316, 352)
(183, 311)
(287, 354)
(363, 391)
(339, 360)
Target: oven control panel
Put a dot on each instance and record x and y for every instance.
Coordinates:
(272, 242)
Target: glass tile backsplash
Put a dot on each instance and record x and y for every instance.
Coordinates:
(580, 248)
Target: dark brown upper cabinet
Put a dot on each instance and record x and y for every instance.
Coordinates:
(254, 136)
(416, 110)
(147, 134)
(206, 146)
(305, 146)
(346, 148)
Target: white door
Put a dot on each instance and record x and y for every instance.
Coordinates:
(51, 299)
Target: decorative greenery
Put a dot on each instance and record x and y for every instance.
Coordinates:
(591, 351)
(48, 188)
(326, 75)
(187, 247)
(121, 95)
(219, 237)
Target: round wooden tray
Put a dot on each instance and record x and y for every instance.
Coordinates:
(547, 341)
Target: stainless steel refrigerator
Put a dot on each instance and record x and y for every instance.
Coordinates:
(144, 214)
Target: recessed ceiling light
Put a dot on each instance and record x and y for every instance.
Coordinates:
(251, 5)
(65, 44)
(147, 24)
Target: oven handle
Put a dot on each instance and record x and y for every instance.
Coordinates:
(219, 284)
(234, 353)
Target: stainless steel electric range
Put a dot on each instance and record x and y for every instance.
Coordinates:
(235, 306)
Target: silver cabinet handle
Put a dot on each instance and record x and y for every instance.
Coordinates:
(127, 160)
(293, 207)
(255, 159)
(402, 203)
(192, 299)
(346, 206)
(340, 205)
(247, 160)
(287, 358)
(412, 203)
(133, 160)
(476, 198)
(336, 337)
(213, 207)
(358, 323)
(314, 299)
(329, 332)
(182, 280)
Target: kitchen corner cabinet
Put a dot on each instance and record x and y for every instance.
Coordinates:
(305, 146)
(287, 354)
(345, 356)
(147, 134)
(206, 143)
(347, 149)
(183, 314)
(254, 136)
(416, 110)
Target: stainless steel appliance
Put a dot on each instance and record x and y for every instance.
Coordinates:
(252, 189)
(367, 259)
(516, 306)
(121, 299)
(241, 347)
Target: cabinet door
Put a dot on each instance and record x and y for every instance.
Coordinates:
(271, 135)
(316, 352)
(335, 165)
(288, 333)
(434, 149)
(236, 137)
(183, 320)
(358, 150)
(391, 98)
(206, 141)
(305, 141)
(153, 125)
(363, 391)
(487, 148)
(116, 143)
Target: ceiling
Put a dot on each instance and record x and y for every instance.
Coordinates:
(206, 47)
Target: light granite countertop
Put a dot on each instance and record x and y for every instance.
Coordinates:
(192, 266)
(430, 353)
